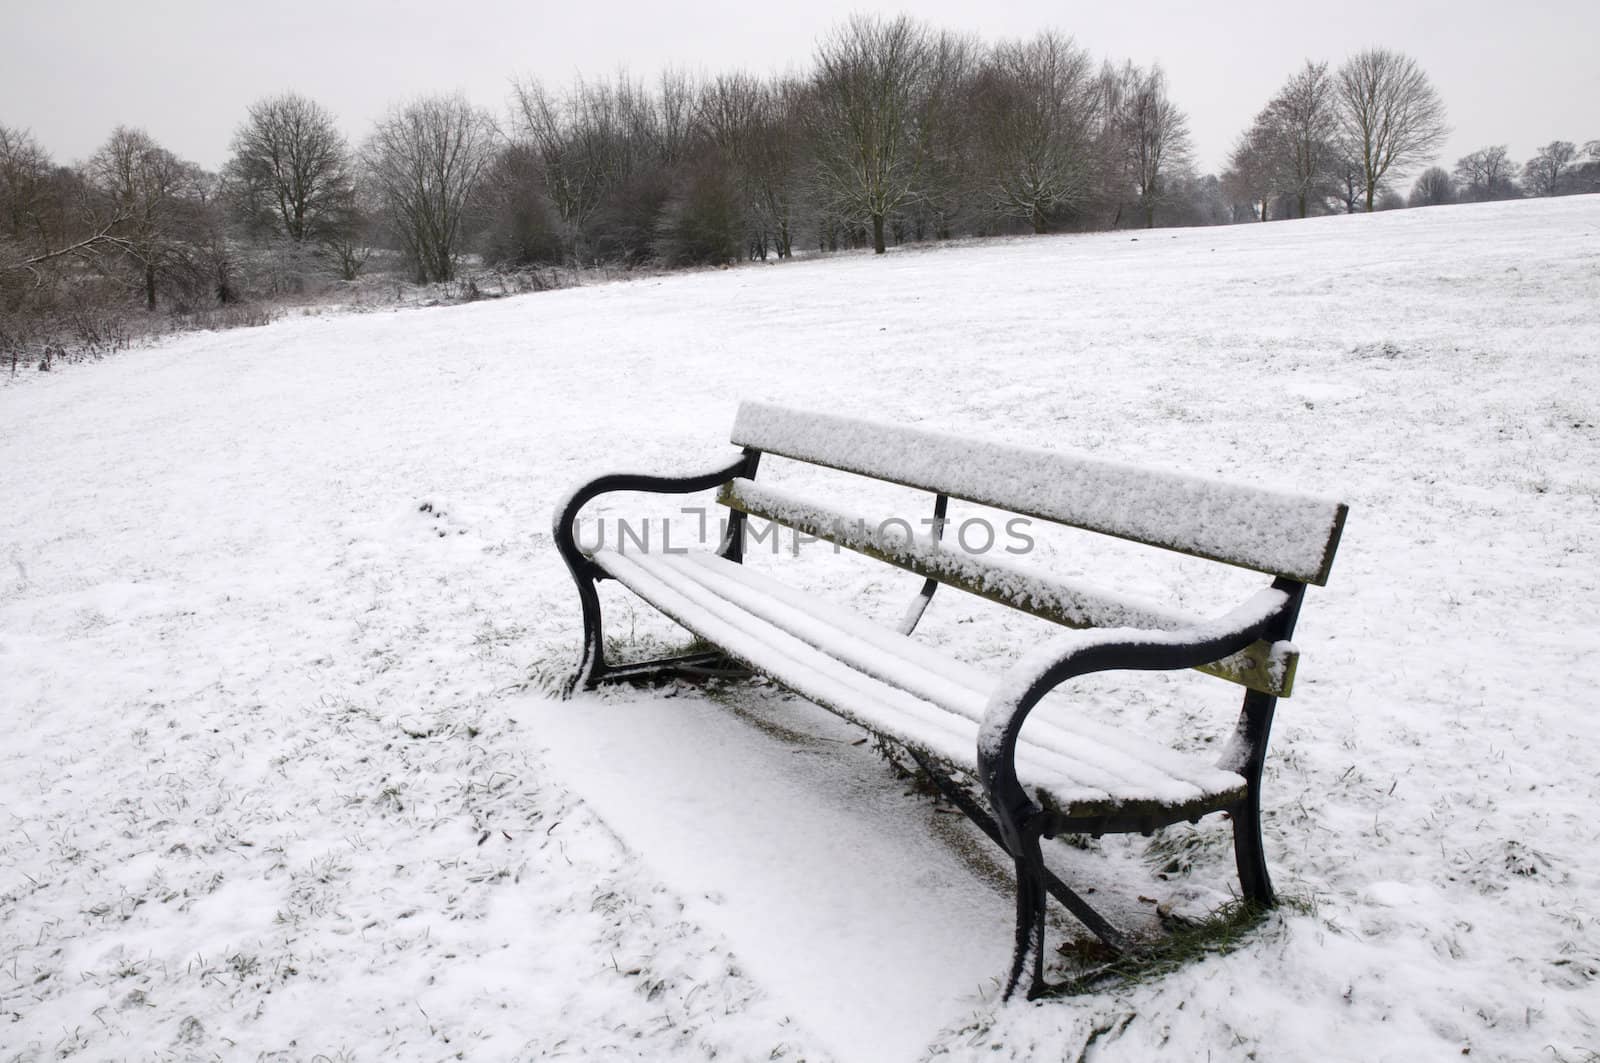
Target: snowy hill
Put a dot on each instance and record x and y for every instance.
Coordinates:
(275, 783)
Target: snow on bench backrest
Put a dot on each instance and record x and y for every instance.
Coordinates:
(1265, 530)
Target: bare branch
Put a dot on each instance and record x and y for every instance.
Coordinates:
(103, 238)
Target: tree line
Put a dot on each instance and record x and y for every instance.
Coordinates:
(1339, 140)
(899, 132)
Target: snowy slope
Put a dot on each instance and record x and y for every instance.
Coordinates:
(274, 782)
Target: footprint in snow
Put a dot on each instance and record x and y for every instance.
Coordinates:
(440, 517)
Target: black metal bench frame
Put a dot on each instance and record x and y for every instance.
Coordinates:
(1014, 820)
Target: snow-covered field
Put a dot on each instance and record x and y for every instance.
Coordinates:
(280, 778)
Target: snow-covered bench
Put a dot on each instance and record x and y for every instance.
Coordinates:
(957, 721)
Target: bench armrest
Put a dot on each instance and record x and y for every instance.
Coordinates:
(566, 511)
(1100, 650)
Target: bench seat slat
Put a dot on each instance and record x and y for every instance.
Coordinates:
(893, 685)
(1266, 530)
(851, 637)
(1267, 668)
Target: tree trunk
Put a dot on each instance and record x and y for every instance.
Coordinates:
(1263, 209)
(878, 247)
(1302, 204)
(1371, 192)
(1039, 227)
(149, 286)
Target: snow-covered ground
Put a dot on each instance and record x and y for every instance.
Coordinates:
(280, 778)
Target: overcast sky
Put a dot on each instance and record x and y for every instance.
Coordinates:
(1520, 74)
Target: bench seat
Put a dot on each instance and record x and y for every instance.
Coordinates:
(894, 686)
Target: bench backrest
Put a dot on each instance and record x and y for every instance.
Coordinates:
(1269, 531)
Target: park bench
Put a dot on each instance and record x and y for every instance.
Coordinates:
(957, 722)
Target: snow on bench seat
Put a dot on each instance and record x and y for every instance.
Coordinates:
(892, 685)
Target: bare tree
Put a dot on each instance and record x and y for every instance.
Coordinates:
(728, 111)
(1254, 173)
(605, 147)
(948, 140)
(1588, 175)
(155, 197)
(754, 126)
(1434, 188)
(350, 232)
(290, 153)
(1302, 124)
(425, 159)
(1546, 172)
(1390, 114)
(1037, 109)
(729, 115)
(575, 136)
(568, 151)
(671, 116)
(1154, 136)
(870, 145)
(1486, 174)
(24, 186)
(776, 159)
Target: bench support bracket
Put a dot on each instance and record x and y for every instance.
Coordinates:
(709, 664)
(592, 666)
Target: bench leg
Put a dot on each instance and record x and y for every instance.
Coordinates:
(1248, 854)
(1029, 950)
(593, 663)
(1255, 724)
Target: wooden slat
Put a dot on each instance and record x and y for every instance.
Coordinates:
(1253, 527)
(1268, 668)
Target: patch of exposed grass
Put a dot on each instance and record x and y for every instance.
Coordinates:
(1226, 929)
(1176, 850)
(551, 671)
(1586, 1055)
